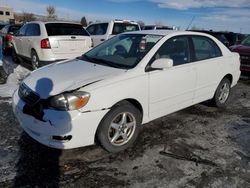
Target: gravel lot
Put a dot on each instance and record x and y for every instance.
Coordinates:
(200, 146)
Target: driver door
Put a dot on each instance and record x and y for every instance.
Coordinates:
(172, 89)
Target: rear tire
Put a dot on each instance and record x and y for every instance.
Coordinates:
(14, 56)
(222, 93)
(119, 128)
(34, 60)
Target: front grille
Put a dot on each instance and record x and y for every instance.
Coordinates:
(27, 95)
(245, 59)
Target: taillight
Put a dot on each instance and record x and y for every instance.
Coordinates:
(92, 43)
(9, 38)
(45, 43)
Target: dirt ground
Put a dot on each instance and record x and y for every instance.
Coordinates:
(200, 146)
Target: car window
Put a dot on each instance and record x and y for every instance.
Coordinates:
(246, 41)
(205, 48)
(124, 27)
(98, 29)
(91, 29)
(22, 31)
(176, 48)
(59, 29)
(5, 29)
(148, 27)
(14, 28)
(33, 30)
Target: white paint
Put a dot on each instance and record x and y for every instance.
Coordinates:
(159, 92)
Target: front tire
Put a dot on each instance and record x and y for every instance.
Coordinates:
(119, 128)
(222, 93)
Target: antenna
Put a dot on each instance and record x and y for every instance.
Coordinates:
(190, 22)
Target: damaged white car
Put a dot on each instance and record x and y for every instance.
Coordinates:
(106, 95)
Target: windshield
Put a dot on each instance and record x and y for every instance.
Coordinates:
(122, 51)
(246, 41)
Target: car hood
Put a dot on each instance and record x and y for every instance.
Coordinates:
(66, 76)
(240, 49)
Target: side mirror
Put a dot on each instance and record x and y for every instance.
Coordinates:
(162, 63)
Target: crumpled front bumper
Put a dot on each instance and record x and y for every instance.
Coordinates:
(81, 126)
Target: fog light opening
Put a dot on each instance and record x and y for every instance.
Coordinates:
(62, 138)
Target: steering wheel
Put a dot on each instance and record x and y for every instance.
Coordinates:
(120, 51)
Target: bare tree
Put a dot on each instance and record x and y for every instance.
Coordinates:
(51, 13)
(141, 23)
(24, 17)
(84, 22)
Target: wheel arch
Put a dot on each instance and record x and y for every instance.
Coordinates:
(132, 101)
(229, 77)
(127, 101)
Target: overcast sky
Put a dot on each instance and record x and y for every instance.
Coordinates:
(230, 15)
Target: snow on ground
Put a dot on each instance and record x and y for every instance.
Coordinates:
(16, 73)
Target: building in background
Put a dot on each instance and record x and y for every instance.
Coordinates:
(6, 15)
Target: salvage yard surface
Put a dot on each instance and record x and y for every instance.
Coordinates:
(201, 146)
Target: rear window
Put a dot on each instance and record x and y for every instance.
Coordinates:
(124, 27)
(98, 29)
(148, 27)
(14, 28)
(56, 29)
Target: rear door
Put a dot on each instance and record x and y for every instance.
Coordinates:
(98, 32)
(67, 38)
(209, 65)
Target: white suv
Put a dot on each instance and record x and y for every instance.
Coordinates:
(46, 42)
(104, 30)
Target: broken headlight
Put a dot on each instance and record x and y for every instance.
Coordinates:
(69, 101)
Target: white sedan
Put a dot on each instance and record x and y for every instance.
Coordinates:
(107, 94)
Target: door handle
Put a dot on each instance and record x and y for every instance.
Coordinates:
(102, 40)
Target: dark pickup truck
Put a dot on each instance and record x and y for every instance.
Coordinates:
(244, 50)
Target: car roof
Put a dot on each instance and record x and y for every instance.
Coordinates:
(166, 32)
(115, 21)
(54, 22)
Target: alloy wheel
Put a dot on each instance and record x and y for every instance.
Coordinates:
(122, 129)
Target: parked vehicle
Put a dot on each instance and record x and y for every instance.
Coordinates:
(2, 25)
(234, 38)
(45, 42)
(244, 50)
(7, 36)
(129, 80)
(219, 35)
(158, 27)
(105, 30)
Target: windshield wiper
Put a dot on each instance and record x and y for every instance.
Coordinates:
(109, 63)
(85, 57)
(102, 61)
